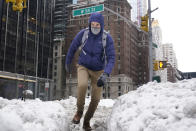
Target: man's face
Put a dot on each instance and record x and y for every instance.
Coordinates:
(95, 25)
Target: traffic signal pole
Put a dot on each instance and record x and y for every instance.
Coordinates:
(150, 42)
(1, 14)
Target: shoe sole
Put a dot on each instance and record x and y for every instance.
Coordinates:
(75, 122)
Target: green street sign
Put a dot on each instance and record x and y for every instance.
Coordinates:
(157, 78)
(155, 45)
(88, 10)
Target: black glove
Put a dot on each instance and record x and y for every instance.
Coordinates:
(102, 79)
(68, 68)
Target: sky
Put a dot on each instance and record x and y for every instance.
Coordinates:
(178, 24)
(137, 110)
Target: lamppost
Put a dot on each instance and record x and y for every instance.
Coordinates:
(150, 40)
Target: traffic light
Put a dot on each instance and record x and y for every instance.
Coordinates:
(144, 23)
(25, 3)
(162, 64)
(13, 1)
(17, 5)
(155, 65)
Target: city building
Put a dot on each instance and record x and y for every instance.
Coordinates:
(60, 21)
(157, 49)
(170, 56)
(139, 9)
(171, 73)
(26, 49)
(131, 48)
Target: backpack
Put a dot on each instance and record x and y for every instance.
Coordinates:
(85, 37)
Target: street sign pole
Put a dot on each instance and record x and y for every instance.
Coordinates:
(1, 14)
(150, 43)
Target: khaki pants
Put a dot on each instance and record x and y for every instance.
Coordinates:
(83, 75)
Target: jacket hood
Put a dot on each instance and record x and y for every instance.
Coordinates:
(97, 17)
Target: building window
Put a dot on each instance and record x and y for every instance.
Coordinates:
(119, 88)
(119, 43)
(56, 47)
(55, 53)
(54, 73)
(55, 60)
(108, 95)
(118, 9)
(55, 67)
(118, 57)
(103, 95)
(119, 79)
(119, 94)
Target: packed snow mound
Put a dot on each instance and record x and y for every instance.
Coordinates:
(156, 107)
(32, 115)
(37, 115)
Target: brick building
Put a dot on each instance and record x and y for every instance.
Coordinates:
(131, 48)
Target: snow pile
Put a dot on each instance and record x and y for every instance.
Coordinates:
(156, 107)
(28, 92)
(36, 115)
(32, 115)
(152, 107)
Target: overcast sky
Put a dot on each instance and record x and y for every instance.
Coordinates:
(177, 20)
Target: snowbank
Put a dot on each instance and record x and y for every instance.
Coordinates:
(156, 107)
(36, 115)
(32, 115)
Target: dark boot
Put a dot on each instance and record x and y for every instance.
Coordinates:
(77, 117)
(86, 126)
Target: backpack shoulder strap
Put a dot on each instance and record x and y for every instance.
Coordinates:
(104, 37)
(85, 35)
(84, 38)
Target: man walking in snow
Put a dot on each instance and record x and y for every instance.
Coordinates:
(96, 61)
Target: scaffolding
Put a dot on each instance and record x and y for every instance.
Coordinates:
(60, 19)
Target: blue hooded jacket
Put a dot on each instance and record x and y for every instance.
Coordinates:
(93, 59)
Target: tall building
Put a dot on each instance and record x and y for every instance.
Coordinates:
(170, 56)
(157, 49)
(26, 48)
(131, 48)
(60, 21)
(139, 9)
